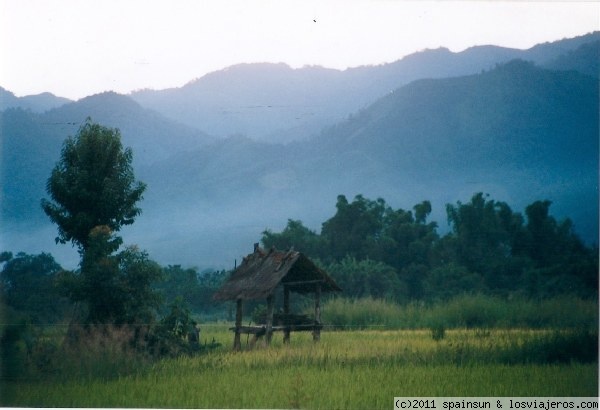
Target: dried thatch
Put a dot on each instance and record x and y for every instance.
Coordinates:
(262, 271)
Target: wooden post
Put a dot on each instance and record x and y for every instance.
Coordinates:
(237, 344)
(269, 329)
(317, 328)
(286, 312)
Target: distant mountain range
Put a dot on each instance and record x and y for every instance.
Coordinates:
(37, 103)
(275, 103)
(435, 125)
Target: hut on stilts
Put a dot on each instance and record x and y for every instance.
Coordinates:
(260, 275)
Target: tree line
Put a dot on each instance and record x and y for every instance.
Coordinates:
(373, 250)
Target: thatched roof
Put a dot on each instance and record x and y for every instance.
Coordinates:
(262, 271)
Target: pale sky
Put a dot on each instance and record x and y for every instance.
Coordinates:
(75, 48)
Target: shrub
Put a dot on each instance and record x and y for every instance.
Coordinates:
(104, 351)
(558, 347)
(438, 332)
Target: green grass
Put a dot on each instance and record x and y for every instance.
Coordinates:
(471, 311)
(332, 386)
(347, 369)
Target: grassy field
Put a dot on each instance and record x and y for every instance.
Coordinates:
(347, 369)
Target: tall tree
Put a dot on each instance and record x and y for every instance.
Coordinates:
(294, 235)
(354, 227)
(562, 263)
(95, 193)
(482, 230)
(483, 239)
(92, 185)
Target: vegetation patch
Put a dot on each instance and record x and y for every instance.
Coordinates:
(347, 369)
(464, 311)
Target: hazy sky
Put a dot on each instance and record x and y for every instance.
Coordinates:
(75, 48)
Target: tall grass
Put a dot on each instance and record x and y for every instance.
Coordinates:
(466, 311)
(357, 369)
(93, 352)
(359, 387)
(486, 346)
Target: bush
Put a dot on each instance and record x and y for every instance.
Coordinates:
(541, 347)
(558, 347)
(367, 278)
(104, 351)
(438, 332)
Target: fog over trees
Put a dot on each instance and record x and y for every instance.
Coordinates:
(476, 121)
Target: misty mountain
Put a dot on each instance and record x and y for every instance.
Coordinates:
(518, 132)
(37, 103)
(151, 135)
(262, 101)
(585, 59)
(273, 102)
(32, 143)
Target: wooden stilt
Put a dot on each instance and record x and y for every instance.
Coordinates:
(286, 312)
(317, 328)
(237, 344)
(269, 327)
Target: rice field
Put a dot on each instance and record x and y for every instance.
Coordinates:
(347, 369)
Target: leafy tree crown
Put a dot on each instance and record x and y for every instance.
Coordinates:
(92, 185)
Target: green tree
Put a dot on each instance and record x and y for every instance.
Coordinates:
(116, 288)
(411, 236)
(208, 283)
(422, 211)
(92, 185)
(546, 240)
(94, 193)
(27, 284)
(484, 233)
(355, 228)
(137, 273)
(450, 280)
(367, 278)
(178, 282)
(295, 235)
(561, 262)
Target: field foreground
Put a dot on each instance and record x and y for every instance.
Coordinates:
(350, 369)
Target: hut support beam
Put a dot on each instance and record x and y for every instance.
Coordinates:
(317, 329)
(269, 329)
(286, 312)
(237, 344)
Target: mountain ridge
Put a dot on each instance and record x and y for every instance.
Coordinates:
(240, 100)
(38, 103)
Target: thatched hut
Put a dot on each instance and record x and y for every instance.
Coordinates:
(260, 274)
